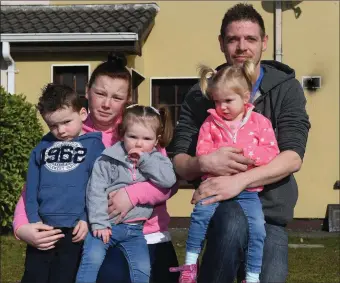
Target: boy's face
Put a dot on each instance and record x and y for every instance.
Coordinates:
(65, 123)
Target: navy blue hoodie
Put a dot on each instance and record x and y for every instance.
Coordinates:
(57, 177)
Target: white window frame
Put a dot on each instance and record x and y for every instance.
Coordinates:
(70, 65)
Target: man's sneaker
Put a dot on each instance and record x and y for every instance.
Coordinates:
(188, 273)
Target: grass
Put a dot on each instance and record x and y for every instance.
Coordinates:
(305, 265)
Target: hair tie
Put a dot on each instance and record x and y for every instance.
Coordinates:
(131, 106)
(117, 58)
(151, 107)
(155, 110)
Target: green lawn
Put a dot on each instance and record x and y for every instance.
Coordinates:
(305, 265)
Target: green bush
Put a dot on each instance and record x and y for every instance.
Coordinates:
(20, 132)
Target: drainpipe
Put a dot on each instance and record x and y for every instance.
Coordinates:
(278, 31)
(6, 54)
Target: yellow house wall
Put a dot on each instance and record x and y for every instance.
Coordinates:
(185, 34)
(311, 46)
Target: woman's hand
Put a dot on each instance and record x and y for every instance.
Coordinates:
(219, 189)
(105, 234)
(80, 231)
(39, 235)
(119, 204)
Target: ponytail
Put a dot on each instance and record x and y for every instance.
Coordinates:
(205, 73)
(166, 128)
(249, 72)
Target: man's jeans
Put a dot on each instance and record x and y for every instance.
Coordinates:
(252, 208)
(130, 239)
(227, 241)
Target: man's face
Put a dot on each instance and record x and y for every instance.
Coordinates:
(242, 41)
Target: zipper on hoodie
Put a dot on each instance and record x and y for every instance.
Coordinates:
(243, 122)
(133, 170)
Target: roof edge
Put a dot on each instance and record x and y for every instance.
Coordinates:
(84, 6)
(53, 37)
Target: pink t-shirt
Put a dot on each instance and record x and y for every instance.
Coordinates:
(141, 193)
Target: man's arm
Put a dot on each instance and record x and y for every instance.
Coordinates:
(293, 126)
(286, 163)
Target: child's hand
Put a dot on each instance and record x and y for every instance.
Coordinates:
(80, 231)
(135, 153)
(105, 234)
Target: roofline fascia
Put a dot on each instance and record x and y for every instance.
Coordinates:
(55, 37)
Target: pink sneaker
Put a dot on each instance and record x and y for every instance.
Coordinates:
(188, 273)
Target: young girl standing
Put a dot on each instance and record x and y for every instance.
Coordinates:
(232, 123)
(132, 160)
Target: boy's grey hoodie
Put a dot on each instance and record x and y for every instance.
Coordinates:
(114, 170)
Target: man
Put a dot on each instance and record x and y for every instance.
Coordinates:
(278, 96)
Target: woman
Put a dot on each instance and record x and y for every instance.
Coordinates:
(109, 91)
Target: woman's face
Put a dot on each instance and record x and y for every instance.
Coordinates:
(107, 98)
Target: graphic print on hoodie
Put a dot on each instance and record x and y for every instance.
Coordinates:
(57, 177)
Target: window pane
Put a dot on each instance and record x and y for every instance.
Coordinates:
(167, 94)
(81, 81)
(67, 79)
(173, 115)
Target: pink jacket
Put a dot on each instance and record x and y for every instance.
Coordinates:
(142, 193)
(255, 135)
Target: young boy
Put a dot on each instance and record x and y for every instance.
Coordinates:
(58, 172)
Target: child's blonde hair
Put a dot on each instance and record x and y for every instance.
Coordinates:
(239, 79)
(159, 119)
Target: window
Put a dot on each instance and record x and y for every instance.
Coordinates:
(73, 76)
(171, 92)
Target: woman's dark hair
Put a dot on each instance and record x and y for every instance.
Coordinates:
(114, 67)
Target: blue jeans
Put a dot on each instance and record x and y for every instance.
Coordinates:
(130, 239)
(227, 240)
(162, 257)
(252, 208)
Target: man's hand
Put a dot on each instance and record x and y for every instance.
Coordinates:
(224, 162)
(105, 234)
(80, 231)
(220, 188)
(119, 204)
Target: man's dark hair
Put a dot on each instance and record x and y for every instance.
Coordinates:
(57, 96)
(242, 12)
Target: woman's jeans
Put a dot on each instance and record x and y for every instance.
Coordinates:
(130, 239)
(252, 207)
(162, 256)
(226, 247)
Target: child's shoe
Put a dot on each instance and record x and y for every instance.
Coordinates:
(188, 273)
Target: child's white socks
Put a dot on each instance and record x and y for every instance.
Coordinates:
(252, 277)
(191, 258)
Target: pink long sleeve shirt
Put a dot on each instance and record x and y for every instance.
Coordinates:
(142, 193)
(254, 134)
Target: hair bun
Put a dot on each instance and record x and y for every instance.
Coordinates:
(117, 58)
